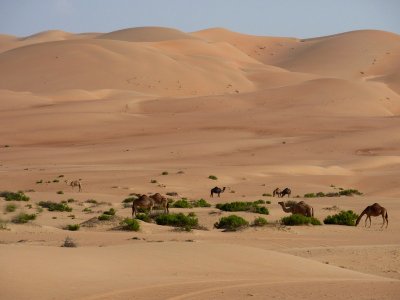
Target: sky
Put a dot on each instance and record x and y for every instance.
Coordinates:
(292, 18)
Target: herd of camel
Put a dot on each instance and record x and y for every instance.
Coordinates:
(301, 208)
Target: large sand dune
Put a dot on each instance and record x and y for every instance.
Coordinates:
(117, 109)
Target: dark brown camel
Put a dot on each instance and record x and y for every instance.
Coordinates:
(374, 210)
(282, 193)
(216, 190)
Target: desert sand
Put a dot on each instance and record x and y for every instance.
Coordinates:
(117, 109)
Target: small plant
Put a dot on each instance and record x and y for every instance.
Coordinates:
(183, 203)
(104, 217)
(143, 217)
(56, 180)
(201, 203)
(153, 181)
(110, 212)
(267, 195)
(54, 206)
(343, 218)
(130, 224)
(18, 196)
(69, 243)
(87, 210)
(73, 227)
(310, 195)
(39, 181)
(11, 207)
(60, 176)
(60, 192)
(212, 177)
(23, 218)
(178, 220)
(349, 192)
(3, 225)
(164, 173)
(70, 200)
(54, 218)
(296, 219)
(92, 201)
(260, 221)
(231, 223)
(7, 146)
(320, 194)
(29, 206)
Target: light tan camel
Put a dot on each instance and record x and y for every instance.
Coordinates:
(300, 208)
(150, 202)
(374, 210)
(161, 201)
(74, 183)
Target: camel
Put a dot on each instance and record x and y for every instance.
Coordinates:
(74, 183)
(300, 208)
(281, 193)
(374, 210)
(161, 201)
(149, 202)
(217, 190)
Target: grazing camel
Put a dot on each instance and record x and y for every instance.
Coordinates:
(74, 183)
(161, 201)
(374, 210)
(143, 201)
(216, 190)
(281, 193)
(300, 208)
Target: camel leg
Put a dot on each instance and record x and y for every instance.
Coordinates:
(370, 222)
(212, 195)
(133, 211)
(366, 219)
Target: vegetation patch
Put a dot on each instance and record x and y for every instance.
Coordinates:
(243, 206)
(342, 192)
(54, 206)
(10, 208)
(260, 221)
(164, 173)
(178, 220)
(130, 224)
(212, 177)
(60, 192)
(69, 243)
(231, 223)
(295, 219)
(3, 225)
(347, 218)
(144, 217)
(73, 227)
(110, 212)
(23, 218)
(11, 196)
(104, 217)
(200, 203)
(183, 203)
(266, 195)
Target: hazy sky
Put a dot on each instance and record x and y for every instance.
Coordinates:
(297, 18)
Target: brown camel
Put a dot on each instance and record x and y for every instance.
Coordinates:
(374, 210)
(143, 201)
(217, 190)
(161, 201)
(300, 208)
(281, 193)
(74, 183)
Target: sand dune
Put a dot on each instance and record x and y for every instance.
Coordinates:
(117, 110)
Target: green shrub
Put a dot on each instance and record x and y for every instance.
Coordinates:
(71, 200)
(243, 206)
(310, 195)
(259, 202)
(296, 219)
(110, 212)
(144, 217)
(343, 218)
(164, 173)
(92, 201)
(183, 203)
(56, 180)
(320, 194)
(267, 195)
(104, 217)
(11, 207)
(54, 206)
(87, 209)
(23, 218)
(231, 223)
(18, 196)
(73, 227)
(201, 203)
(349, 192)
(213, 177)
(177, 220)
(39, 181)
(3, 225)
(130, 224)
(260, 221)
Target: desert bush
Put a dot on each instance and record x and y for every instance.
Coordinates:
(92, 201)
(310, 195)
(104, 217)
(87, 209)
(10, 208)
(343, 218)
(243, 206)
(259, 201)
(60, 192)
(177, 220)
(213, 177)
(183, 203)
(54, 206)
(320, 194)
(153, 181)
(260, 221)
(23, 218)
(56, 180)
(73, 227)
(3, 225)
(69, 243)
(11, 196)
(164, 173)
(201, 203)
(349, 192)
(71, 200)
(39, 181)
(267, 195)
(231, 223)
(110, 212)
(144, 217)
(296, 219)
(130, 224)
